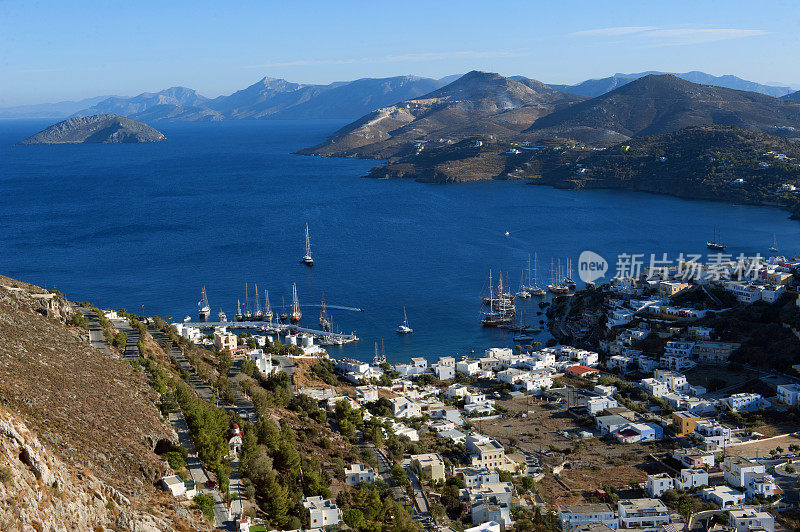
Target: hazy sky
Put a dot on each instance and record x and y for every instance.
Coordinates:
(63, 50)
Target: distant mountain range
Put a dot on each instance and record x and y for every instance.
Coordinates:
(598, 87)
(271, 98)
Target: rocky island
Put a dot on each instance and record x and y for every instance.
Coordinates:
(97, 129)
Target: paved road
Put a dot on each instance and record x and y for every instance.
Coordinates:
(96, 338)
(131, 352)
(198, 471)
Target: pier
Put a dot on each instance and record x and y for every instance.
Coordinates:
(272, 326)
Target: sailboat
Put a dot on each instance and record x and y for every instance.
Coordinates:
(324, 321)
(307, 259)
(267, 308)
(522, 292)
(555, 286)
(239, 315)
(774, 247)
(283, 317)
(568, 282)
(222, 317)
(295, 316)
(404, 328)
(259, 316)
(205, 309)
(716, 244)
(533, 283)
(248, 316)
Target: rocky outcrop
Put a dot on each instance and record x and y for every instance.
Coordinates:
(40, 492)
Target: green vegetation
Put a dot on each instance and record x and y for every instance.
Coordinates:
(205, 503)
(79, 320)
(372, 508)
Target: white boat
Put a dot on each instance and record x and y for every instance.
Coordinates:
(295, 316)
(307, 259)
(267, 308)
(522, 292)
(324, 320)
(205, 309)
(716, 245)
(774, 247)
(533, 287)
(404, 328)
(222, 317)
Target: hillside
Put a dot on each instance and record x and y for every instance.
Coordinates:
(98, 129)
(702, 162)
(78, 428)
(658, 104)
(795, 97)
(478, 103)
(597, 87)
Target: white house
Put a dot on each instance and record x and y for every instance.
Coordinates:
(178, 487)
(444, 372)
(358, 473)
(761, 485)
(468, 367)
(736, 470)
(659, 484)
(366, 394)
(692, 478)
(789, 394)
(748, 519)
(725, 496)
(655, 387)
(456, 391)
(321, 512)
(573, 515)
(745, 402)
(476, 476)
(406, 408)
(595, 405)
(639, 513)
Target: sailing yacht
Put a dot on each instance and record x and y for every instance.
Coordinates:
(259, 316)
(239, 315)
(267, 309)
(295, 316)
(774, 247)
(307, 259)
(283, 317)
(533, 287)
(324, 321)
(205, 309)
(555, 286)
(716, 244)
(404, 328)
(523, 292)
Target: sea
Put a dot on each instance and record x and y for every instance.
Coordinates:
(145, 227)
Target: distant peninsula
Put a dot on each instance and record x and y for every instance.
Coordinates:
(96, 129)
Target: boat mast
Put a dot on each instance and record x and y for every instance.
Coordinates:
(258, 308)
(535, 282)
(308, 242)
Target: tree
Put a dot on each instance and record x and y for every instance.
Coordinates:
(276, 500)
(205, 503)
(353, 517)
(268, 433)
(399, 475)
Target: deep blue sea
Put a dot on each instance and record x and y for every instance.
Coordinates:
(224, 204)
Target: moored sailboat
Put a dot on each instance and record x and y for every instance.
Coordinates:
(403, 328)
(307, 259)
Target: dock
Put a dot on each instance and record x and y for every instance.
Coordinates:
(273, 327)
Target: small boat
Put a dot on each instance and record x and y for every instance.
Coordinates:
(507, 233)
(403, 328)
(716, 245)
(187, 319)
(774, 247)
(222, 317)
(307, 259)
(205, 309)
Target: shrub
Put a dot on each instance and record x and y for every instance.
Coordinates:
(205, 503)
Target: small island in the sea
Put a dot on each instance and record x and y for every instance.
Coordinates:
(96, 129)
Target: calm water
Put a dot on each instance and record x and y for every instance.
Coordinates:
(222, 204)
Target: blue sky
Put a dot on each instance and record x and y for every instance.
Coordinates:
(55, 50)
